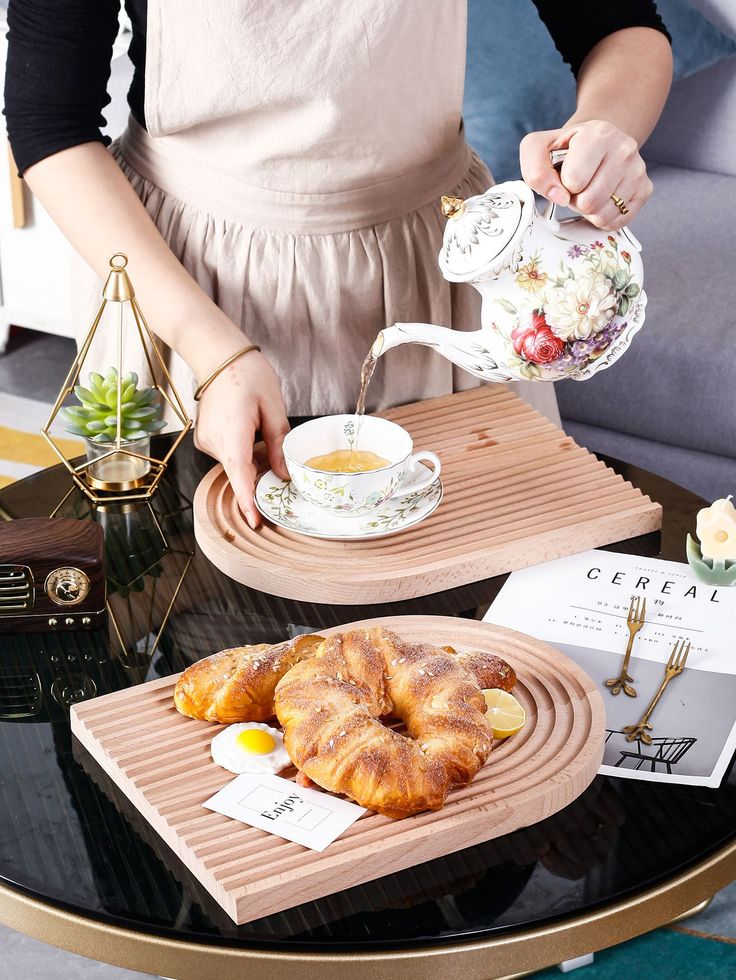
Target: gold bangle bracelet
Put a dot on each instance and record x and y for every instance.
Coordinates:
(225, 364)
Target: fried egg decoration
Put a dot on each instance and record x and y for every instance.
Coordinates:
(250, 747)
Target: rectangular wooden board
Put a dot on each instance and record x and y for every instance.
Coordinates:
(161, 761)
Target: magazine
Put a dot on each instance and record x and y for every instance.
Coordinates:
(580, 605)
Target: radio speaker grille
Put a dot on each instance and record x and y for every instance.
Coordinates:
(16, 589)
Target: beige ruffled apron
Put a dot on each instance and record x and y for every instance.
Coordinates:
(294, 160)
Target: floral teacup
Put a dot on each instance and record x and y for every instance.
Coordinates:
(356, 493)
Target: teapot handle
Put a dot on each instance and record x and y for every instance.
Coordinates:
(556, 158)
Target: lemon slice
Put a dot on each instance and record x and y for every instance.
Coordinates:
(505, 715)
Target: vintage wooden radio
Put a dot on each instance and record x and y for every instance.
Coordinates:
(52, 575)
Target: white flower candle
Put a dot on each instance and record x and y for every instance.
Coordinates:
(716, 529)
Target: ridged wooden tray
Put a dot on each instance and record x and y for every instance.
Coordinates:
(518, 491)
(161, 761)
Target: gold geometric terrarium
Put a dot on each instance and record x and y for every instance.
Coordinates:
(115, 397)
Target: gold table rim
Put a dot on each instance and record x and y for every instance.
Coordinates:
(507, 955)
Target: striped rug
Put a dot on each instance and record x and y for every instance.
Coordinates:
(23, 450)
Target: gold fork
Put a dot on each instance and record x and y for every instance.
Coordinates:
(675, 665)
(635, 621)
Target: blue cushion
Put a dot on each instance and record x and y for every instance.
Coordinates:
(516, 81)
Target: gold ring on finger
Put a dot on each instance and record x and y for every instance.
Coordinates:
(620, 204)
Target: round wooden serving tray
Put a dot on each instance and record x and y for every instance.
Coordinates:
(250, 873)
(558, 752)
(517, 491)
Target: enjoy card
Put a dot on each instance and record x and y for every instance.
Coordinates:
(306, 816)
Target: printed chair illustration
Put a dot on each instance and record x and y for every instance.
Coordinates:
(665, 752)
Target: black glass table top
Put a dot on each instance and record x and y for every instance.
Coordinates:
(69, 837)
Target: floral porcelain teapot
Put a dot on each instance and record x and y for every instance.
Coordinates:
(561, 299)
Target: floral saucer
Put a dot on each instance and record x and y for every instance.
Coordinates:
(281, 503)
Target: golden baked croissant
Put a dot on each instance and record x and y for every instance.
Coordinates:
(238, 684)
(330, 705)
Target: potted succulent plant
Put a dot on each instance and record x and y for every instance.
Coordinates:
(119, 464)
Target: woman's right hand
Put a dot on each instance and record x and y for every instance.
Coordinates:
(244, 398)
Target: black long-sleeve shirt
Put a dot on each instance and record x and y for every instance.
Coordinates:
(59, 55)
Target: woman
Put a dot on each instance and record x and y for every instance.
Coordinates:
(279, 178)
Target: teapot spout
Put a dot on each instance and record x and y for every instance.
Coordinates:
(467, 349)
(410, 333)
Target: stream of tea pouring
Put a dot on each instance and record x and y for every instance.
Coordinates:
(353, 459)
(367, 371)
(458, 346)
(463, 347)
(386, 339)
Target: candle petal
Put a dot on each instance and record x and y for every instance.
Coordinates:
(716, 529)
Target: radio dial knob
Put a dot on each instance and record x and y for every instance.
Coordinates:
(67, 586)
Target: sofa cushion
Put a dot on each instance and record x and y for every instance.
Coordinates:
(677, 382)
(722, 13)
(516, 81)
(698, 125)
(705, 103)
(696, 41)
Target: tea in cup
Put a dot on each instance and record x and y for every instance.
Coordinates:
(330, 471)
(347, 461)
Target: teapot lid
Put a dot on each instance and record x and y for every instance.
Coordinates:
(483, 231)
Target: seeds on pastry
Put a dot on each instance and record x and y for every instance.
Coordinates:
(226, 687)
(386, 771)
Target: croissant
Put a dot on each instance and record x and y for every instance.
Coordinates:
(330, 705)
(238, 684)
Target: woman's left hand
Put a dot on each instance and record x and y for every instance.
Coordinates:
(602, 160)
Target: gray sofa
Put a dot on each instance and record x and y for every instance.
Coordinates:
(669, 404)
